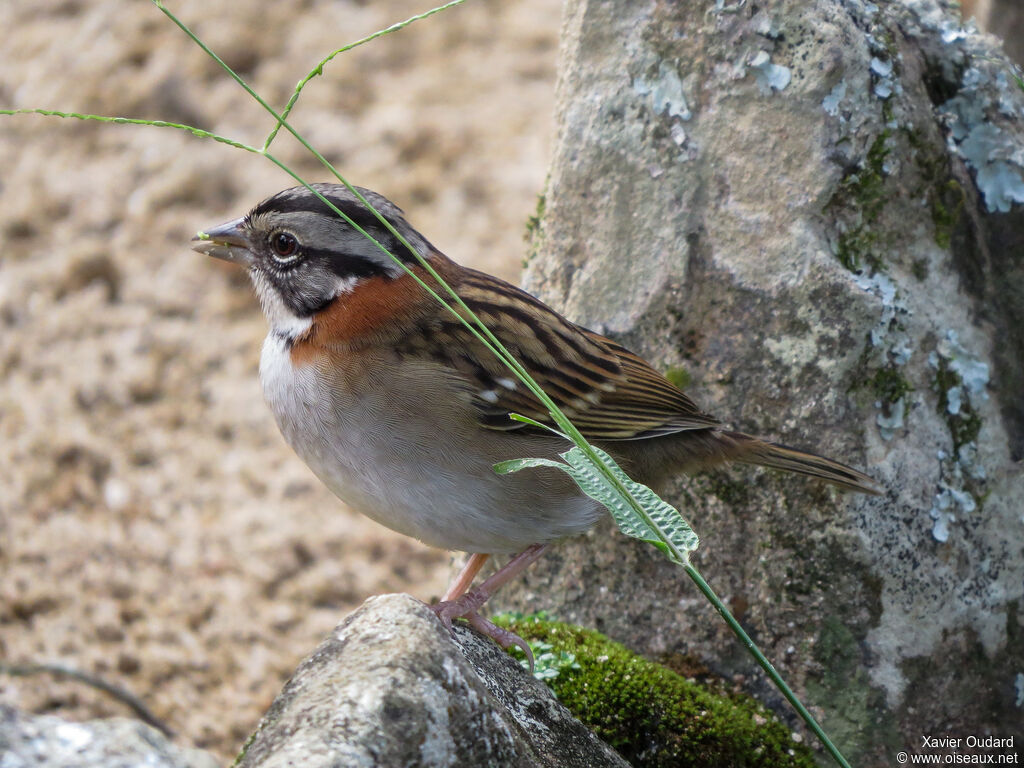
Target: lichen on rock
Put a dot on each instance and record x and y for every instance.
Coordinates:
(804, 266)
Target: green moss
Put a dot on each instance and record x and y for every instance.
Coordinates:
(869, 188)
(533, 228)
(947, 202)
(945, 195)
(245, 747)
(967, 428)
(888, 385)
(651, 715)
(864, 192)
(888, 110)
(920, 268)
(858, 248)
(964, 425)
(850, 248)
(533, 222)
(679, 376)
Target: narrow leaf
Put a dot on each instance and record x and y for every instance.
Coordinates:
(533, 422)
(660, 524)
(514, 465)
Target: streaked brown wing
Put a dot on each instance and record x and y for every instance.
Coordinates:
(608, 392)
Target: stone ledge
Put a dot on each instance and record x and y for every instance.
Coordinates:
(391, 686)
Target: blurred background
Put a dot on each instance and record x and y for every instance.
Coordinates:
(155, 530)
(1003, 18)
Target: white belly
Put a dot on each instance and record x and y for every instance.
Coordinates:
(398, 455)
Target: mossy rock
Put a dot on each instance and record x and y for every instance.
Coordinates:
(651, 715)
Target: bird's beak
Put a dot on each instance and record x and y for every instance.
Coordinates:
(228, 241)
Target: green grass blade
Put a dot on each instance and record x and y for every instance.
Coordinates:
(319, 68)
(199, 132)
(766, 665)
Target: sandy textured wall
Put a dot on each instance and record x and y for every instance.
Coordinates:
(154, 528)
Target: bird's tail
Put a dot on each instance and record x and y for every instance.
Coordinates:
(751, 450)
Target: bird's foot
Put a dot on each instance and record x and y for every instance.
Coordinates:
(463, 605)
(466, 607)
(506, 638)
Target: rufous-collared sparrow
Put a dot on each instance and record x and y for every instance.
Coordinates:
(403, 413)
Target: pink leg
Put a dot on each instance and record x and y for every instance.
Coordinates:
(473, 599)
(515, 566)
(465, 603)
(465, 578)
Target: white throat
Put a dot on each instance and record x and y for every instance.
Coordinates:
(283, 322)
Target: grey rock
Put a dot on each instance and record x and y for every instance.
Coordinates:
(47, 741)
(834, 255)
(392, 687)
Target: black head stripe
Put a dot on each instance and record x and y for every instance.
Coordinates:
(300, 199)
(344, 264)
(372, 226)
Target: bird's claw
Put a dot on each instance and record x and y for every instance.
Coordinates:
(465, 607)
(506, 638)
(467, 603)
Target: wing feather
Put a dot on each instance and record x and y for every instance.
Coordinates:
(607, 391)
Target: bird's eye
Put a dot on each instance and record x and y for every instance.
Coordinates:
(284, 244)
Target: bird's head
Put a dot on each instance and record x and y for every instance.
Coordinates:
(302, 256)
